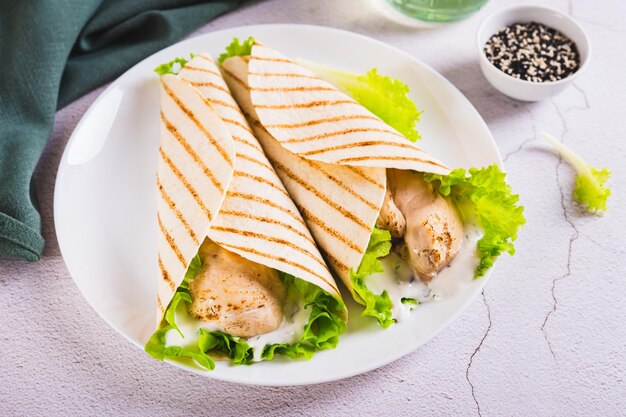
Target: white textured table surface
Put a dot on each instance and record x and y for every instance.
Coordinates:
(547, 337)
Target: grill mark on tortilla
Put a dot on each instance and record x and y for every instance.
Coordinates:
(254, 161)
(207, 59)
(280, 259)
(193, 118)
(322, 121)
(342, 185)
(177, 212)
(317, 103)
(210, 71)
(257, 162)
(391, 158)
(308, 216)
(347, 214)
(285, 74)
(270, 59)
(207, 84)
(291, 89)
(267, 202)
(268, 220)
(188, 186)
(160, 304)
(356, 170)
(336, 262)
(171, 242)
(166, 275)
(222, 103)
(243, 141)
(258, 125)
(273, 239)
(261, 180)
(238, 123)
(185, 144)
(355, 145)
(361, 174)
(234, 77)
(348, 131)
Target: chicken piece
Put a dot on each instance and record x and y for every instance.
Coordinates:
(434, 231)
(390, 218)
(243, 298)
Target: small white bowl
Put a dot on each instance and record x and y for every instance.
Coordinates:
(522, 89)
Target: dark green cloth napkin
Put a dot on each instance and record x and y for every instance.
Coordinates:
(52, 52)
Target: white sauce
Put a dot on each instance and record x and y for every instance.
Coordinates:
(290, 329)
(400, 282)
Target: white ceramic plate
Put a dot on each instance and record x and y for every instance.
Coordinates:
(105, 198)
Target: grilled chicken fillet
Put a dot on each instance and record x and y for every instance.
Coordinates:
(390, 217)
(432, 231)
(243, 298)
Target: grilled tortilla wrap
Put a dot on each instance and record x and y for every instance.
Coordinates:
(259, 286)
(333, 156)
(195, 168)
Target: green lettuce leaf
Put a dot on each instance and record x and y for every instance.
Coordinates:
(376, 305)
(483, 197)
(325, 324)
(156, 348)
(237, 48)
(386, 97)
(182, 293)
(589, 190)
(234, 347)
(195, 266)
(173, 66)
(169, 314)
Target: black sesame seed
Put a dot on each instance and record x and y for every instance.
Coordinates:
(533, 52)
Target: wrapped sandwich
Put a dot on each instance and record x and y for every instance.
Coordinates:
(241, 277)
(387, 216)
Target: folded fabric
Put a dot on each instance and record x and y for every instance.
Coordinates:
(52, 52)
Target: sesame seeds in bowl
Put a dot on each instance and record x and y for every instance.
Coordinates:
(531, 52)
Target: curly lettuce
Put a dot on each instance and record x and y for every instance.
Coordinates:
(322, 331)
(234, 347)
(237, 48)
(174, 66)
(325, 324)
(483, 197)
(376, 305)
(157, 349)
(589, 189)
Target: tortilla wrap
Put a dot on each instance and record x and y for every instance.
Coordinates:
(330, 152)
(255, 216)
(195, 168)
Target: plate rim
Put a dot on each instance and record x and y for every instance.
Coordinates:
(61, 174)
